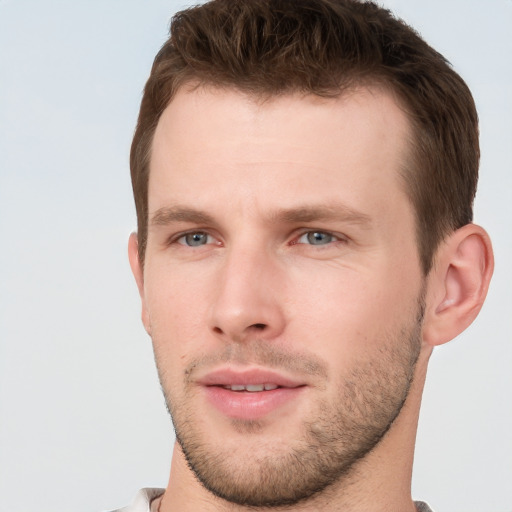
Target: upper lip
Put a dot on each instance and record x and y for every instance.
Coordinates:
(249, 376)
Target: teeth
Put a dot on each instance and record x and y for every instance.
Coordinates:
(236, 387)
(251, 387)
(255, 387)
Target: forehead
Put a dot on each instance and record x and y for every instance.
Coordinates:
(224, 148)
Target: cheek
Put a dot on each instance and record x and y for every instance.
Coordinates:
(337, 311)
(177, 303)
(347, 313)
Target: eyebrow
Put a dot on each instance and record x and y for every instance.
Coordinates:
(335, 212)
(169, 214)
(300, 214)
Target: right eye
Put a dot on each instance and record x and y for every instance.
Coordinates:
(195, 239)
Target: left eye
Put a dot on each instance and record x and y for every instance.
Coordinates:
(317, 238)
(195, 239)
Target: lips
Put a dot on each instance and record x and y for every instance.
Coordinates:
(247, 377)
(249, 394)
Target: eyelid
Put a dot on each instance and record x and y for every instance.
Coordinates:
(338, 237)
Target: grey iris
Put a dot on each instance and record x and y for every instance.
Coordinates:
(319, 238)
(196, 239)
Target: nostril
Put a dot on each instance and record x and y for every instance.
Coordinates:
(259, 326)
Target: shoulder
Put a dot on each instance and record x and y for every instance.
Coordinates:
(142, 501)
(421, 506)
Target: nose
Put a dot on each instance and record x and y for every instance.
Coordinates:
(248, 300)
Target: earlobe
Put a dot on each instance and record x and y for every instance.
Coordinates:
(138, 274)
(458, 283)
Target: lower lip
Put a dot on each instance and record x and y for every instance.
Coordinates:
(246, 405)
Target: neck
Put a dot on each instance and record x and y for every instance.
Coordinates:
(379, 482)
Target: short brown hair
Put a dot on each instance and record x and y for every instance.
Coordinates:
(322, 47)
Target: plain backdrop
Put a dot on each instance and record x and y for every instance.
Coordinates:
(82, 421)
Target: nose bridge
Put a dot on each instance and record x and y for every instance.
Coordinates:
(247, 297)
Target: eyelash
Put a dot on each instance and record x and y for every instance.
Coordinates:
(312, 232)
(333, 238)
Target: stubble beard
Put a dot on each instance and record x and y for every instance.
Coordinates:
(341, 433)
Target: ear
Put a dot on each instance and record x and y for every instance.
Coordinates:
(138, 273)
(457, 284)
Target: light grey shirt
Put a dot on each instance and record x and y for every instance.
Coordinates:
(142, 502)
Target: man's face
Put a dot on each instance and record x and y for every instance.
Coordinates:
(282, 286)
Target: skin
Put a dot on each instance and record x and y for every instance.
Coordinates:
(253, 180)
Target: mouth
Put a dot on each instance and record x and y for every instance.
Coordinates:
(252, 379)
(250, 394)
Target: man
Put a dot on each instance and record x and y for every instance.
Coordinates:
(303, 173)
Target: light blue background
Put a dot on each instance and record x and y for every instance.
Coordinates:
(82, 421)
